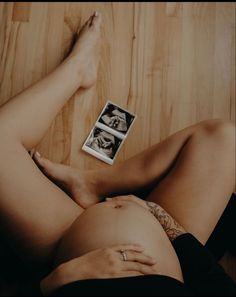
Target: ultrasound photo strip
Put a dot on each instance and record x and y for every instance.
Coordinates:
(115, 119)
(109, 132)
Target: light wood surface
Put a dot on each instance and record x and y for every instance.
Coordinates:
(173, 64)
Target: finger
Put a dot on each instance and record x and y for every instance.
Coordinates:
(119, 198)
(126, 198)
(139, 257)
(128, 247)
(135, 199)
(142, 268)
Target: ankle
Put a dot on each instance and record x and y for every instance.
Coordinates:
(73, 64)
(93, 181)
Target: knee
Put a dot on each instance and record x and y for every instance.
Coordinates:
(222, 131)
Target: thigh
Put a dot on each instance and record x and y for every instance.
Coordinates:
(34, 213)
(198, 188)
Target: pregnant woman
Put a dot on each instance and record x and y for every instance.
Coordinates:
(122, 246)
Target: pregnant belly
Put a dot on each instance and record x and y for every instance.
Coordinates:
(108, 223)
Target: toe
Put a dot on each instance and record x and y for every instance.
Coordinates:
(31, 152)
(90, 20)
(55, 170)
(86, 24)
(97, 19)
(42, 162)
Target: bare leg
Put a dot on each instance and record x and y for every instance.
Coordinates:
(34, 212)
(139, 173)
(192, 170)
(195, 174)
(198, 188)
(27, 116)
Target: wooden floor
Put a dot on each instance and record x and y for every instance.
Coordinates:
(173, 64)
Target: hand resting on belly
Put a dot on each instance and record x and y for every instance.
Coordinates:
(113, 223)
(100, 263)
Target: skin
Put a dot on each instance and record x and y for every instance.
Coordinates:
(100, 263)
(191, 167)
(35, 213)
(110, 223)
(172, 228)
(171, 156)
(95, 265)
(29, 200)
(175, 173)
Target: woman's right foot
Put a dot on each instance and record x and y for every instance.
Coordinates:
(77, 183)
(87, 50)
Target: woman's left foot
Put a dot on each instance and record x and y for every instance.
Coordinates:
(78, 184)
(87, 50)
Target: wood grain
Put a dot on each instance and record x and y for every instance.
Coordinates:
(170, 63)
(21, 12)
(173, 64)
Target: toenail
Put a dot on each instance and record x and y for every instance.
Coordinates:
(96, 14)
(37, 154)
